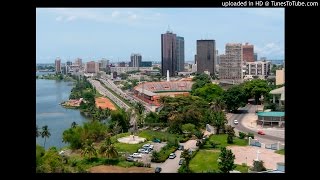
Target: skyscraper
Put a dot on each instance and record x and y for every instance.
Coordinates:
(180, 53)
(230, 68)
(92, 67)
(247, 51)
(168, 53)
(57, 64)
(206, 50)
(135, 60)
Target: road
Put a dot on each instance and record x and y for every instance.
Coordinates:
(240, 127)
(172, 165)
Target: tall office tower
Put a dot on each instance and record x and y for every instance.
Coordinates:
(255, 55)
(78, 62)
(135, 60)
(92, 67)
(57, 64)
(103, 63)
(247, 51)
(180, 54)
(168, 53)
(230, 68)
(206, 50)
(69, 63)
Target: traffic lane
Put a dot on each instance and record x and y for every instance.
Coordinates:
(242, 128)
(170, 165)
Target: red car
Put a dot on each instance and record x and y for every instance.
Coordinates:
(261, 132)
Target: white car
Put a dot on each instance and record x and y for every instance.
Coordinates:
(235, 122)
(141, 150)
(151, 146)
(146, 146)
(136, 155)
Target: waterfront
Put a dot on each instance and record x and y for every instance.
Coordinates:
(49, 95)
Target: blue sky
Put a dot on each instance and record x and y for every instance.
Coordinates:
(115, 33)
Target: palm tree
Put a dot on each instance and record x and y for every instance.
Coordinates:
(116, 128)
(217, 105)
(139, 107)
(74, 124)
(107, 149)
(45, 134)
(88, 149)
(37, 131)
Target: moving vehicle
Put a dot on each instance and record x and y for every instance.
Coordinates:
(181, 147)
(136, 155)
(261, 132)
(181, 161)
(158, 170)
(235, 122)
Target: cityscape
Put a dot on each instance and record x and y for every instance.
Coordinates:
(115, 94)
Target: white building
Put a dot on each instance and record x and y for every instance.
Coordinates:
(120, 70)
(258, 68)
(194, 68)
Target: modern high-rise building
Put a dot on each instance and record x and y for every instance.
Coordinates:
(135, 60)
(146, 64)
(78, 62)
(255, 56)
(57, 64)
(206, 50)
(69, 63)
(168, 53)
(180, 53)
(103, 63)
(230, 68)
(258, 68)
(247, 51)
(92, 67)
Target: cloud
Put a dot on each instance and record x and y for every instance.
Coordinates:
(59, 18)
(70, 18)
(270, 50)
(115, 14)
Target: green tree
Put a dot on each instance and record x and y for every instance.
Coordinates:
(234, 98)
(230, 132)
(189, 128)
(107, 149)
(218, 119)
(155, 156)
(198, 134)
(51, 162)
(226, 160)
(45, 134)
(139, 107)
(255, 88)
(258, 166)
(116, 129)
(209, 92)
(152, 117)
(218, 104)
(122, 118)
(88, 150)
(200, 81)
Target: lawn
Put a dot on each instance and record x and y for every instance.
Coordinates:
(207, 160)
(163, 136)
(280, 151)
(204, 160)
(221, 139)
(128, 148)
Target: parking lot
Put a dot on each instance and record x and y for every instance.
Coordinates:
(146, 158)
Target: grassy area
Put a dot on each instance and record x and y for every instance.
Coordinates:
(242, 168)
(204, 160)
(114, 138)
(207, 160)
(128, 148)
(221, 139)
(280, 151)
(163, 136)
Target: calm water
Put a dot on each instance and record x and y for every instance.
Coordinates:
(49, 95)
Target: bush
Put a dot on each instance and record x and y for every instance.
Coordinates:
(242, 135)
(213, 144)
(138, 164)
(113, 161)
(250, 135)
(230, 139)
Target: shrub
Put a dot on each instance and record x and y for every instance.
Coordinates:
(213, 144)
(138, 164)
(242, 135)
(250, 135)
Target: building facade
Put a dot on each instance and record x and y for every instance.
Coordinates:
(120, 70)
(122, 64)
(259, 68)
(146, 64)
(57, 64)
(168, 53)
(230, 68)
(135, 60)
(180, 53)
(92, 67)
(103, 63)
(205, 58)
(247, 51)
(280, 76)
(255, 55)
(78, 62)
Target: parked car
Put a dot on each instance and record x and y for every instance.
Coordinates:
(136, 155)
(131, 159)
(172, 156)
(235, 122)
(158, 170)
(181, 147)
(261, 132)
(151, 147)
(141, 150)
(181, 161)
(145, 146)
(156, 140)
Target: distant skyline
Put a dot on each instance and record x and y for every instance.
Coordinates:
(116, 33)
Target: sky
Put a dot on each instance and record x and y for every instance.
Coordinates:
(116, 33)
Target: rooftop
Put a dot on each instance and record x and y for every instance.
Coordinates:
(272, 113)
